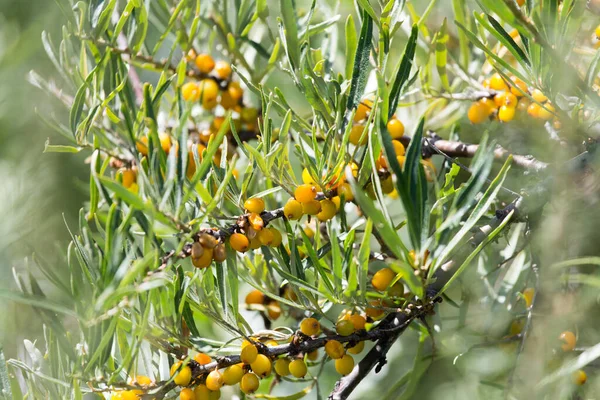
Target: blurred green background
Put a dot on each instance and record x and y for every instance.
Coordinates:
(36, 189)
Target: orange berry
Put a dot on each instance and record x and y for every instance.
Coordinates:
(202, 358)
(239, 242)
(310, 326)
(312, 207)
(256, 221)
(328, 210)
(534, 110)
(266, 236)
(305, 193)
(186, 394)
(190, 92)
(204, 260)
(569, 340)
(209, 90)
(382, 279)
(358, 321)
(277, 238)
(375, 311)
(362, 111)
(396, 128)
(334, 349)
(519, 88)
(546, 112)
(538, 96)
(579, 377)
(235, 91)
(222, 69)
(205, 63)
(357, 349)
(506, 99)
(128, 176)
(292, 209)
(398, 148)
(255, 297)
(478, 113)
(274, 309)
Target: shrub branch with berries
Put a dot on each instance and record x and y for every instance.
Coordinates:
(280, 190)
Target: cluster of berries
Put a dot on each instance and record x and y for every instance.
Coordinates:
(509, 99)
(251, 230)
(206, 249)
(133, 394)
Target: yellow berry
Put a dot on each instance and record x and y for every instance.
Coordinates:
(256, 221)
(282, 367)
(538, 96)
(357, 349)
(249, 383)
(387, 185)
(478, 113)
(534, 110)
(345, 190)
(546, 112)
(506, 99)
(205, 63)
(187, 394)
(128, 176)
(235, 91)
(358, 321)
(569, 340)
(312, 207)
(396, 128)
(125, 395)
(362, 111)
(227, 102)
(337, 202)
(249, 353)
(204, 260)
(298, 368)
(305, 193)
(579, 377)
(222, 69)
(344, 365)
(497, 82)
(184, 376)
(239, 242)
(519, 87)
(219, 253)
(292, 209)
(266, 236)
(528, 296)
(328, 210)
(307, 178)
(255, 205)
(209, 90)
(143, 380)
(261, 365)
(344, 327)
(310, 326)
(202, 358)
(506, 113)
(313, 355)
(190, 92)
(334, 349)
(214, 380)
(202, 392)
(277, 238)
(382, 279)
(356, 135)
(398, 148)
(165, 142)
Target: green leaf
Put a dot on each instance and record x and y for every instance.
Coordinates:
(290, 37)
(351, 45)
(49, 148)
(361, 68)
(403, 72)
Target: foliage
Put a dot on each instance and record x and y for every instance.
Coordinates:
(170, 174)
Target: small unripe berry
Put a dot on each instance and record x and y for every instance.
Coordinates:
(249, 383)
(382, 279)
(328, 210)
(261, 365)
(357, 349)
(334, 349)
(249, 353)
(579, 377)
(305, 193)
(396, 128)
(282, 367)
(214, 380)
(202, 358)
(344, 365)
(223, 69)
(292, 209)
(190, 92)
(344, 327)
(187, 394)
(310, 326)
(233, 374)
(298, 368)
(255, 205)
(239, 242)
(569, 340)
(205, 63)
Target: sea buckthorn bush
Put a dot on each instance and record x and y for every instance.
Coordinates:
(295, 198)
